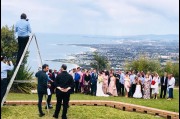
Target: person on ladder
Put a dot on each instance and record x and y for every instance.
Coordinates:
(5, 66)
(22, 28)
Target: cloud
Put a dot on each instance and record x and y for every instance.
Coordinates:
(96, 17)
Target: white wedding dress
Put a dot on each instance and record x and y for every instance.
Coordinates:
(99, 91)
(137, 93)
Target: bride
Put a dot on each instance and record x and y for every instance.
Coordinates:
(99, 86)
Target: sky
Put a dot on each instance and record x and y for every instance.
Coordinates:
(95, 17)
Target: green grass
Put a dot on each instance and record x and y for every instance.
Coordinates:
(74, 112)
(163, 104)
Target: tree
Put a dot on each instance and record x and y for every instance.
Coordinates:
(9, 47)
(144, 64)
(100, 62)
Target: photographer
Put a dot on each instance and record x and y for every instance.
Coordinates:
(5, 66)
(22, 28)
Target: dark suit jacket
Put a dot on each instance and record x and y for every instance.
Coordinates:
(94, 78)
(53, 76)
(64, 80)
(162, 80)
(42, 82)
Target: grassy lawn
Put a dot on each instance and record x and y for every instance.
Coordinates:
(74, 112)
(164, 104)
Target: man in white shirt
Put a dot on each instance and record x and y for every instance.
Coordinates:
(171, 83)
(133, 84)
(72, 73)
(121, 81)
(5, 66)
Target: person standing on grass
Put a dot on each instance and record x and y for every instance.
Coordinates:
(80, 88)
(155, 86)
(112, 90)
(42, 86)
(164, 80)
(63, 83)
(76, 79)
(133, 85)
(121, 81)
(5, 66)
(105, 82)
(87, 78)
(171, 84)
(127, 84)
(51, 82)
(22, 28)
(146, 88)
(94, 78)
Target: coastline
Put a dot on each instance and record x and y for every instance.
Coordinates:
(75, 58)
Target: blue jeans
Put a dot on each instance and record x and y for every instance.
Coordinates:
(170, 93)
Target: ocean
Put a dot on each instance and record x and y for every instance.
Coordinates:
(56, 47)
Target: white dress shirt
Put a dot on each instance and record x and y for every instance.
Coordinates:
(171, 82)
(5, 68)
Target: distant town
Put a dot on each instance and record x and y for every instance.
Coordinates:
(128, 50)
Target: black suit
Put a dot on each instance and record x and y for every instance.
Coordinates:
(163, 86)
(63, 80)
(41, 88)
(94, 78)
(52, 83)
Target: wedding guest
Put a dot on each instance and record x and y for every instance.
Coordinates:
(155, 86)
(112, 85)
(164, 80)
(80, 89)
(117, 82)
(105, 82)
(63, 82)
(147, 86)
(138, 91)
(171, 84)
(151, 75)
(93, 81)
(82, 80)
(77, 77)
(51, 89)
(133, 85)
(87, 78)
(72, 73)
(42, 86)
(127, 83)
(121, 81)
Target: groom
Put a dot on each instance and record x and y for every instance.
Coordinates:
(94, 77)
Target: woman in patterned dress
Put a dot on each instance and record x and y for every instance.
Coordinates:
(147, 86)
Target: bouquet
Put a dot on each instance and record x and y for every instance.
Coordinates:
(153, 82)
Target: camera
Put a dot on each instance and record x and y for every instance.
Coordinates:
(7, 59)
